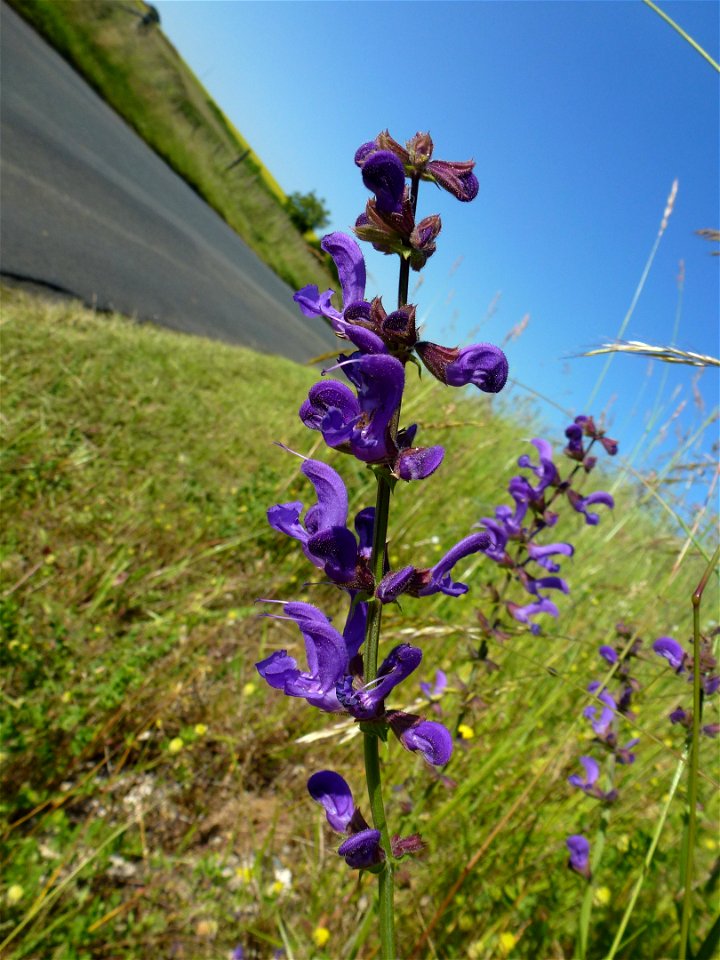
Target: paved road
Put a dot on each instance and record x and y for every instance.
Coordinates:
(89, 209)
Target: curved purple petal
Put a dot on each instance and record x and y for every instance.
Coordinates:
(364, 151)
(332, 500)
(332, 792)
(672, 651)
(482, 364)
(440, 580)
(364, 527)
(354, 631)
(316, 304)
(579, 847)
(608, 653)
(325, 397)
(366, 702)
(336, 548)
(348, 259)
(592, 772)
(523, 614)
(384, 174)
(417, 463)
(362, 850)
(430, 739)
(285, 518)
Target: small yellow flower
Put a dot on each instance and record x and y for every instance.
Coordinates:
(249, 689)
(320, 936)
(66, 697)
(244, 874)
(176, 745)
(507, 942)
(709, 843)
(14, 894)
(602, 896)
(275, 889)
(623, 843)
(232, 615)
(465, 732)
(200, 729)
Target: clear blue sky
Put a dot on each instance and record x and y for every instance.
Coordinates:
(579, 115)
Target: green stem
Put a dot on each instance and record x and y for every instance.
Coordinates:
(371, 742)
(687, 865)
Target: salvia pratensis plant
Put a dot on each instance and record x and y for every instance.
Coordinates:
(357, 410)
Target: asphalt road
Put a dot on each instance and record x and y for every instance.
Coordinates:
(88, 209)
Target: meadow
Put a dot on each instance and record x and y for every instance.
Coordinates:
(154, 799)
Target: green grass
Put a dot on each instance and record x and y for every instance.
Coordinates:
(137, 468)
(141, 75)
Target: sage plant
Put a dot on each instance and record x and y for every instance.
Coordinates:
(357, 410)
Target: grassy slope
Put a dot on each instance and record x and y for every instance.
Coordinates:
(140, 74)
(137, 469)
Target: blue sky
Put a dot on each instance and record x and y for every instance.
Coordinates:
(579, 115)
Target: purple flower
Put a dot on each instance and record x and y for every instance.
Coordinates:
(579, 848)
(482, 364)
(523, 614)
(367, 702)
(589, 784)
(358, 425)
(426, 737)
(542, 554)
(323, 535)
(601, 725)
(581, 504)
(672, 651)
(438, 688)
(592, 772)
(362, 849)
(384, 174)
(427, 581)
(454, 176)
(546, 472)
(348, 259)
(328, 656)
(608, 653)
(624, 754)
(332, 792)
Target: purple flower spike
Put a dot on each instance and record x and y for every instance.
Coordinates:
(331, 791)
(672, 651)
(608, 653)
(426, 737)
(579, 847)
(592, 772)
(362, 850)
(384, 174)
(481, 364)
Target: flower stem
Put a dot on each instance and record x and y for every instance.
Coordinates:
(371, 744)
(687, 865)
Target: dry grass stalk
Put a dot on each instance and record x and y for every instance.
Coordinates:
(666, 354)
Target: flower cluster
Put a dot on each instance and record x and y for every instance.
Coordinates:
(603, 714)
(360, 416)
(681, 663)
(515, 529)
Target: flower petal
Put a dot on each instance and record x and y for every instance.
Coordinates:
(332, 792)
